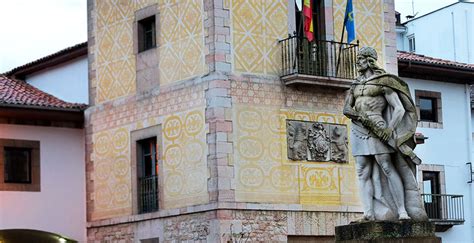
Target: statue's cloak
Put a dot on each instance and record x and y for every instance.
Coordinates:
(404, 159)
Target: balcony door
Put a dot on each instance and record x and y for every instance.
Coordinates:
(431, 186)
(148, 175)
(319, 22)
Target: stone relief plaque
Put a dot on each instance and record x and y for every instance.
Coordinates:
(297, 140)
(316, 141)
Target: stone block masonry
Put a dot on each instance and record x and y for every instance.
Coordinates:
(222, 225)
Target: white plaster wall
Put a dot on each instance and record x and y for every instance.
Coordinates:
(450, 146)
(400, 30)
(68, 81)
(434, 33)
(60, 205)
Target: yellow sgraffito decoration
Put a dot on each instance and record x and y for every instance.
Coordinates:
(265, 174)
(184, 159)
(256, 27)
(184, 155)
(180, 44)
(111, 159)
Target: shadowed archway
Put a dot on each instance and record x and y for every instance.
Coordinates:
(28, 235)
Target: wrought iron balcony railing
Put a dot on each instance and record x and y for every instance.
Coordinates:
(444, 210)
(148, 194)
(319, 60)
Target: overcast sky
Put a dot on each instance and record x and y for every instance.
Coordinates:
(31, 29)
(420, 6)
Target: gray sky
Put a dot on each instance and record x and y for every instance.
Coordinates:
(420, 6)
(32, 29)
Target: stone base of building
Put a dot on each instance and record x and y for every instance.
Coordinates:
(387, 232)
(222, 225)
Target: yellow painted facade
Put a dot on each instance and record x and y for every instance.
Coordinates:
(112, 195)
(184, 170)
(262, 171)
(265, 174)
(257, 25)
(185, 160)
(180, 44)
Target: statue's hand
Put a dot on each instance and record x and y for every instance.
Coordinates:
(385, 133)
(365, 121)
(351, 114)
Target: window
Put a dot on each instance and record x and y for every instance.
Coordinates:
(428, 105)
(147, 175)
(150, 240)
(17, 165)
(146, 163)
(428, 109)
(145, 42)
(411, 43)
(146, 34)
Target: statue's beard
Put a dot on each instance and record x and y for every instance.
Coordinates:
(362, 70)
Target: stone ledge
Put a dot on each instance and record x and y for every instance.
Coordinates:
(385, 231)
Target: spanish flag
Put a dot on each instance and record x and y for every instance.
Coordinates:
(308, 19)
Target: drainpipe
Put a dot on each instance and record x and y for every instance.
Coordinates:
(467, 91)
(454, 37)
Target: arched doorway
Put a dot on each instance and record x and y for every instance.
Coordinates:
(28, 235)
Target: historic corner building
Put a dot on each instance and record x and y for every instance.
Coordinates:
(209, 122)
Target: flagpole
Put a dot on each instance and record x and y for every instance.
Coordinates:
(342, 38)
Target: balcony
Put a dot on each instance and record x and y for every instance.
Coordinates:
(443, 210)
(148, 194)
(322, 63)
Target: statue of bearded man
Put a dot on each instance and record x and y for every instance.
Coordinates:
(382, 137)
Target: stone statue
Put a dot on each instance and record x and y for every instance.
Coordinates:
(382, 136)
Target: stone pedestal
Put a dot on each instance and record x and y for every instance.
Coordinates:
(387, 232)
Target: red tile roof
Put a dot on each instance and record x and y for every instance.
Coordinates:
(421, 59)
(17, 93)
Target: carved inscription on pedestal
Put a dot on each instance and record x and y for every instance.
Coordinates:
(316, 141)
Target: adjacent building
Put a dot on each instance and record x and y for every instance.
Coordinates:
(445, 33)
(441, 91)
(422, 47)
(62, 74)
(42, 169)
(195, 111)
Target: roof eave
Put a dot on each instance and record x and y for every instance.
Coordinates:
(23, 115)
(436, 72)
(52, 60)
(49, 108)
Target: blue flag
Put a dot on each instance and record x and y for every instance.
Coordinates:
(349, 22)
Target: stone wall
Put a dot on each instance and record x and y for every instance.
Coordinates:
(198, 227)
(116, 233)
(223, 225)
